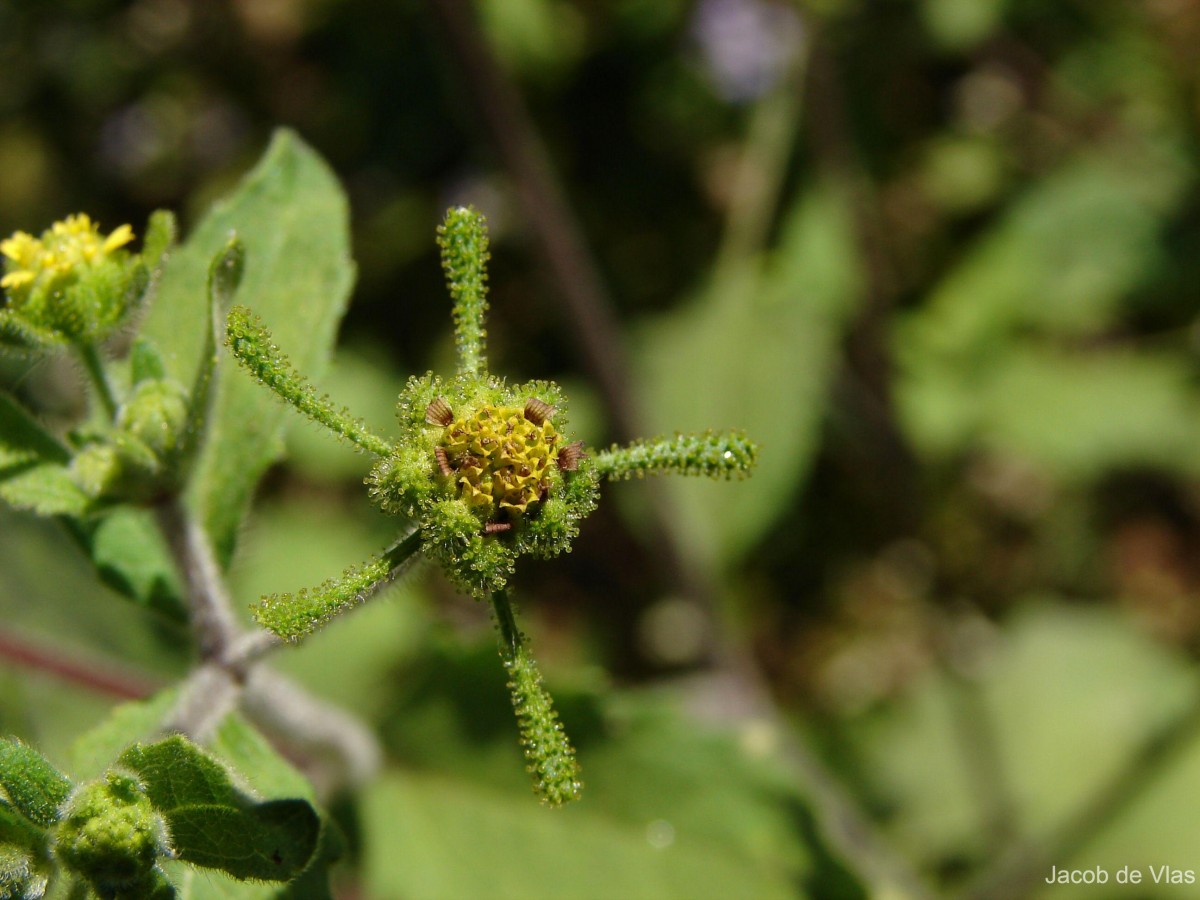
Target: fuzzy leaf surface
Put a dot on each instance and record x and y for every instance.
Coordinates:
(34, 787)
(292, 217)
(214, 824)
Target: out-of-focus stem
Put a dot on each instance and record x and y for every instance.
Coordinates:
(94, 366)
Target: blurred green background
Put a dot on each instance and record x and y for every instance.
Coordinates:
(936, 256)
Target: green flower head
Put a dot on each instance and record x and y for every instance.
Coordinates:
(487, 472)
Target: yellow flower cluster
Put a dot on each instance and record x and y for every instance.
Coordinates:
(499, 457)
(66, 247)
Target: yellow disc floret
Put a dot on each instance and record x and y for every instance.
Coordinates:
(65, 247)
(500, 459)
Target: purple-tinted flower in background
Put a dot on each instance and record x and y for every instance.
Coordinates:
(746, 45)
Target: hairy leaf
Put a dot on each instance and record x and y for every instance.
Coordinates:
(23, 874)
(43, 488)
(214, 824)
(34, 787)
(131, 558)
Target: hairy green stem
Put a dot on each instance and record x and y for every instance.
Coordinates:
(295, 616)
(551, 757)
(253, 347)
(510, 635)
(715, 454)
(98, 375)
(464, 243)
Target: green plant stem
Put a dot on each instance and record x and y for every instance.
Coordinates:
(344, 748)
(510, 635)
(209, 605)
(94, 366)
(294, 616)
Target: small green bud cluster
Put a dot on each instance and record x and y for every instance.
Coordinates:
(136, 459)
(111, 836)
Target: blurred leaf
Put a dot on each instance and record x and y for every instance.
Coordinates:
(659, 792)
(22, 438)
(962, 24)
(1059, 261)
(1070, 693)
(34, 787)
(131, 557)
(43, 488)
(755, 352)
(460, 840)
(95, 750)
(291, 215)
(33, 472)
(977, 362)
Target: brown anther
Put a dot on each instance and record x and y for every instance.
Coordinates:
(439, 413)
(443, 461)
(538, 411)
(569, 456)
(497, 527)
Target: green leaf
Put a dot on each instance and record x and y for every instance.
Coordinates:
(215, 825)
(662, 792)
(291, 215)
(23, 875)
(131, 557)
(34, 787)
(33, 474)
(755, 352)
(95, 750)
(22, 438)
(460, 840)
(177, 773)
(269, 842)
(44, 488)
(161, 233)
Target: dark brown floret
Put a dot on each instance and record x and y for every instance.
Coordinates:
(569, 456)
(537, 411)
(439, 413)
(443, 461)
